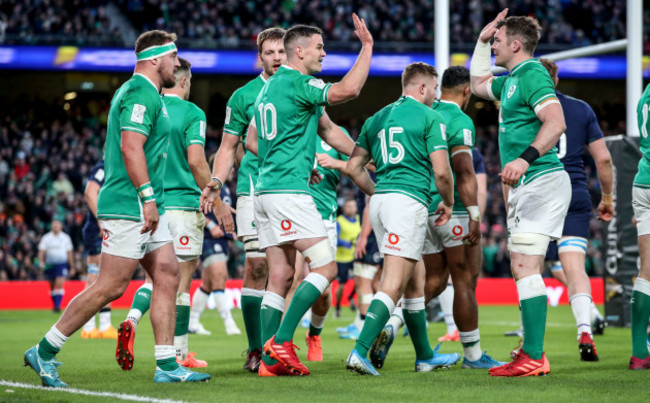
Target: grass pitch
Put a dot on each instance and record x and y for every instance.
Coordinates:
(90, 365)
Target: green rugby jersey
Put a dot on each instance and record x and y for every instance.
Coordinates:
(324, 193)
(460, 132)
(400, 138)
(136, 107)
(239, 113)
(188, 127)
(286, 116)
(642, 178)
(524, 92)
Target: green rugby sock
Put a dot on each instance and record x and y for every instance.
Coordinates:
(640, 310)
(251, 302)
(305, 296)
(270, 317)
(416, 322)
(378, 314)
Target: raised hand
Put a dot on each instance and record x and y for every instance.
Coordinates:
(361, 30)
(491, 28)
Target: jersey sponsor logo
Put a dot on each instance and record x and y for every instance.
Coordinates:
(457, 230)
(106, 236)
(317, 83)
(253, 223)
(137, 114)
(202, 128)
(184, 240)
(228, 113)
(511, 90)
(393, 239)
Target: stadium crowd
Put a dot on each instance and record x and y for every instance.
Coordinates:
(233, 23)
(45, 159)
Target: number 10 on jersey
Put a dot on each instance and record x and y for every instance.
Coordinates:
(268, 121)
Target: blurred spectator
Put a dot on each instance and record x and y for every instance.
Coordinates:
(56, 257)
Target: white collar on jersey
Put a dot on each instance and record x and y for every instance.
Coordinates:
(147, 78)
(444, 101)
(262, 76)
(171, 95)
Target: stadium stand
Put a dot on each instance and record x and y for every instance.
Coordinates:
(233, 24)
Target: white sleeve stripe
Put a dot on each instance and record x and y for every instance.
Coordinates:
(326, 91)
(544, 104)
(133, 129)
(489, 89)
(541, 99)
(463, 150)
(196, 142)
(440, 148)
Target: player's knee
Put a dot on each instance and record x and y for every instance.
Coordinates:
(529, 243)
(282, 277)
(258, 268)
(572, 244)
(319, 255)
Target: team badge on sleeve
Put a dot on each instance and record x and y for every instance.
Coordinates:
(137, 115)
(443, 131)
(467, 137)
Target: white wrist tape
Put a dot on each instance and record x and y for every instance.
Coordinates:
(480, 64)
(474, 213)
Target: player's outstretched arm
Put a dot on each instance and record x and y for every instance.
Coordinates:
(135, 162)
(350, 86)
(605, 170)
(480, 74)
(444, 183)
(334, 136)
(198, 165)
(357, 172)
(463, 166)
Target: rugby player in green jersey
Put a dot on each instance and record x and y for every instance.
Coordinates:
(131, 212)
(640, 304)
(186, 172)
(239, 113)
(288, 114)
(447, 248)
(536, 187)
(405, 139)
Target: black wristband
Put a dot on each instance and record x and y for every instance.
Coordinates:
(529, 155)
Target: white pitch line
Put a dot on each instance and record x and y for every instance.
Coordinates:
(506, 323)
(122, 396)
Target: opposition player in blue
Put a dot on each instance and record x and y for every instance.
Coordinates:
(92, 238)
(215, 273)
(582, 132)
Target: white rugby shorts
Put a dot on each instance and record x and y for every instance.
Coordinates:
(540, 206)
(245, 217)
(445, 236)
(286, 217)
(186, 228)
(399, 223)
(123, 238)
(641, 206)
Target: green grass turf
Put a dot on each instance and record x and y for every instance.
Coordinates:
(90, 365)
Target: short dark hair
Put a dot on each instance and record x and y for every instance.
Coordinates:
(455, 76)
(269, 34)
(417, 69)
(551, 67)
(297, 32)
(153, 38)
(527, 29)
(183, 69)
